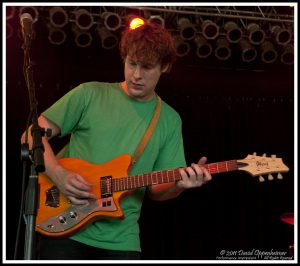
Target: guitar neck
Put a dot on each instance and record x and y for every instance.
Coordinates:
(167, 176)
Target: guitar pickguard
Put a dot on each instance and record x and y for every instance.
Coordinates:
(71, 216)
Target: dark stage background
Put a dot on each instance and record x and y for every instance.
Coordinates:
(229, 110)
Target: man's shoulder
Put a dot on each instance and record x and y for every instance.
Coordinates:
(169, 111)
(93, 88)
(98, 85)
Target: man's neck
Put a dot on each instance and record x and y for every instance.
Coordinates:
(124, 87)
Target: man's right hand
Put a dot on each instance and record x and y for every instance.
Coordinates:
(73, 186)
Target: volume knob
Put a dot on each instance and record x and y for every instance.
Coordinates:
(73, 214)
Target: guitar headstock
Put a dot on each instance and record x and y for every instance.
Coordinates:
(261, 165)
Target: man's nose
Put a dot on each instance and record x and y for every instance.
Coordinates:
(137, 72)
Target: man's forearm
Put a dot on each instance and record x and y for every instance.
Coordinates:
(164, 191)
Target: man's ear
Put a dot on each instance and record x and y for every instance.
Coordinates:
(166, 68)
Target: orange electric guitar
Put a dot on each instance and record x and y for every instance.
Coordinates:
(56, 217)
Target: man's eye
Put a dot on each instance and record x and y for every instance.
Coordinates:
(147, 66)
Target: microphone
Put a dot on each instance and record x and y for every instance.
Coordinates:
(26, 21)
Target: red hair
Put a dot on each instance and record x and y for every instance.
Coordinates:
(149, 44)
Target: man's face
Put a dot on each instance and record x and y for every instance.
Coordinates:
(141, 79)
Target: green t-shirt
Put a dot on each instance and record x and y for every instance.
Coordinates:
(105, 123)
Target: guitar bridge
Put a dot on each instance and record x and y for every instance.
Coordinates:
(52, 197)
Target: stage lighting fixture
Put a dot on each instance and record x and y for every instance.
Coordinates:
(210, 30)
(56, 35)
(112, 21)
(281, 36)
(84, 19)
(287, 56)
(256, 34)
(58, 17)
(30, 10)
(249, 53)
(9, 30)
(83, 39)
(203, 48)
(108, 40)
(158, 20)
(222, 51)
(10, 12)
(182, 47)
(268, 54)
(233, 32)
(186, 28)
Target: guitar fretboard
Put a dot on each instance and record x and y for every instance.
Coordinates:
(166, 176)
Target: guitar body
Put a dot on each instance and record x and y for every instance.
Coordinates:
(56, 217)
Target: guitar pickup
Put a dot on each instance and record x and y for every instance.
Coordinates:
(106, 186)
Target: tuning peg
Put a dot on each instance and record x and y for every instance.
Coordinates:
(264, 155)
(261, 179)
(273, 155)
(279, 176)
(254, 153)
(270, 177)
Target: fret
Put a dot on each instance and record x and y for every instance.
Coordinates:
(221, 167)
(168, 176)
(165, 176)
(123, 183)
(116, 185)
(173, 176)
(132, 182)
(212, 168)
(155, 181)
(141, 180)
(232, 165)
(147, 179)
(159, 177)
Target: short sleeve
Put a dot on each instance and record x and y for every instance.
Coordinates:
(68, 110)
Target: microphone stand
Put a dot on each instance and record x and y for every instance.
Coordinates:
(36, 155)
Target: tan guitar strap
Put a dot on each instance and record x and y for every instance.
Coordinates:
(142, 145)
